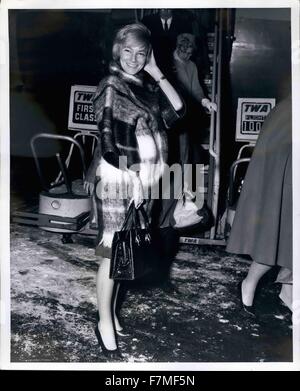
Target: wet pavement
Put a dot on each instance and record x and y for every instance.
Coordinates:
(53, 306)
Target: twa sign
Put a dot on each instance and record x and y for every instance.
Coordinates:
(81, 109)
(251, 114)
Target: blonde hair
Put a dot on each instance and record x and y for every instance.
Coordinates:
(186, 39)
(137, 32)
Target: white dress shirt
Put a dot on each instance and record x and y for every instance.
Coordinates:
(169, 21)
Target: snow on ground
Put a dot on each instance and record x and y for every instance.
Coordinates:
(53, 305)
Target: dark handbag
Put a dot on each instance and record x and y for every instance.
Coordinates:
(133, 250)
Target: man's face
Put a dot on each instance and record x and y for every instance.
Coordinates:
(165, 13)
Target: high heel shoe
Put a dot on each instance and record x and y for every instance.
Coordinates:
(249, 309)
(114, 354)
(120, 332)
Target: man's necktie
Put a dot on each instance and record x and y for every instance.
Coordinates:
(165, 25)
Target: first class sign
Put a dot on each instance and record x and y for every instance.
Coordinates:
(81, 109)
(251, 114)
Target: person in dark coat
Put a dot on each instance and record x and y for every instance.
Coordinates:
(165, 26)
(262, 226)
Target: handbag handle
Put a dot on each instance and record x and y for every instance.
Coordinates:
(145, 216)
(135, 218)
(129, 214)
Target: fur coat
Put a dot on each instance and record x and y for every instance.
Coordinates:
(132, 116)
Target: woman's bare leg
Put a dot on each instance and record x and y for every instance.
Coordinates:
(255, 273)
(105, 290)
(117, 323)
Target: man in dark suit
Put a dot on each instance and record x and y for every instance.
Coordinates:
(165, 25)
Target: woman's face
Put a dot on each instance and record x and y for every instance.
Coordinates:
(133, 56)
(185, 51)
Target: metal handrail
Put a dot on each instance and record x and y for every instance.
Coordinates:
(213, 96)
(239, 156)
(215, 131)
(80, 133)
(232, 176)
(54, 137)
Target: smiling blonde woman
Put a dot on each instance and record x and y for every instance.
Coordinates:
(132, 116)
